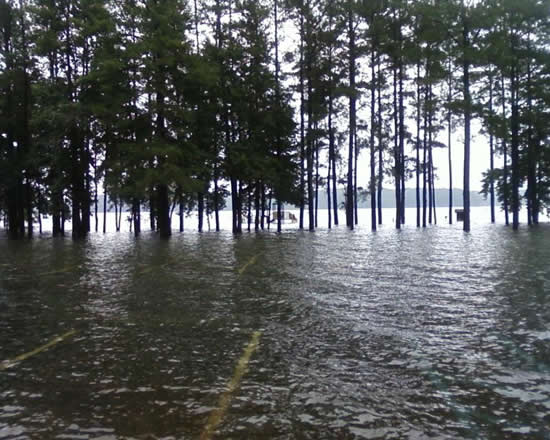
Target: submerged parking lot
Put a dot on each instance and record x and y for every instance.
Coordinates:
(336, 334)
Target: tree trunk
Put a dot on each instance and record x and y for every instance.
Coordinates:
(262, 206)
(104, 208)
(449, 133)
(514, 147)
(467, 118)
(396, 154)
(257, 206)
(310, 154)
(434, 201)
(216, 200)
(355, 189)
(380, 144)
(331, 144)
(402, 163)
(249, 206)
(29, 208)
(352, 117)
(200, 210)
(302, 124)
(278, 97)
(329, 199)
(181, 213)
(430, 156)
(491, 151)
(418, 122)
(117, 221)
(96, 195)
(39, 220)
(372, 184)
(240, 207)
(317, 177)
(532, 196)
(425, 159)
(136, 216)
(163, 210)
(505, 159)
(235, 206)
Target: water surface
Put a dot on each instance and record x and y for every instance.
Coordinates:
(395, 334)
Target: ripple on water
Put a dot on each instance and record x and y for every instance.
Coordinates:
(413, 334)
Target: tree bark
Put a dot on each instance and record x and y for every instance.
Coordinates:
(372, 184)
(352, 117)
(467, 117)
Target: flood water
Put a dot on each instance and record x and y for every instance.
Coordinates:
(407, 334)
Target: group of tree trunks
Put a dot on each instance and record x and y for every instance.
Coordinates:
(171, 103)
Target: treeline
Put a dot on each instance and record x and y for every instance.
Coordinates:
(174, 104)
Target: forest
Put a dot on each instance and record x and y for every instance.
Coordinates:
(173, 106)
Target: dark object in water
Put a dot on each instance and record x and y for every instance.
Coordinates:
(285, 217)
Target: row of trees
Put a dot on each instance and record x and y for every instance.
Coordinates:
(169, 104)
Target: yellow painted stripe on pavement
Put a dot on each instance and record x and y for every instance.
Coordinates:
(250, 262)
(9, 363)
(218, 414)
(55, 272)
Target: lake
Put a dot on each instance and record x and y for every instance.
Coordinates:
(337, 334)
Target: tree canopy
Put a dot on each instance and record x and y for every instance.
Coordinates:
(160, 104)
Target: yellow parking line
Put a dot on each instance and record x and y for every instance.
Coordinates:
(250, 262)
(9, 363)
(55, 272)
(217, 415)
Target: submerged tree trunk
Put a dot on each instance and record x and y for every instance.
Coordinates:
(372, 184)
(262, 206)
(302, 125)
(200, 210)
(396, 153)
(505, 159)
(257, 206)
(152, 210)
(515, 180)
(117, 221)
(430, 156)
(418, 122)
(533, 205)
(425, 160)
(467, 118)
(317, 178)
(380, 144)
(104, 209)
(163, 209)
(355, 190)
(402, 162)
(329, 199)
(96, 219)
(491, 152)
(136, 216)
(332, 201)
(310, 159)
(181, 213)
(449, 133)
(216, 200)
(352, 118)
